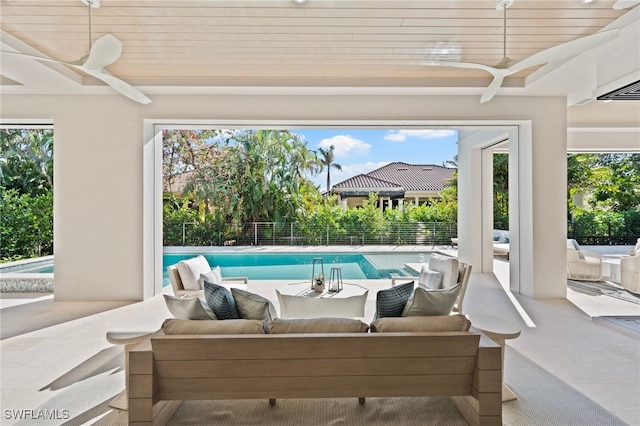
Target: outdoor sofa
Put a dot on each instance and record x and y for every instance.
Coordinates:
(316, 358)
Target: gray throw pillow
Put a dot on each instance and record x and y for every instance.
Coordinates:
(390, 301)
(255, 307)
(188, 308)
(424, 301)
(221, 301)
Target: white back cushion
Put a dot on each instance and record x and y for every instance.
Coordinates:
(190, 271)
(446, 265)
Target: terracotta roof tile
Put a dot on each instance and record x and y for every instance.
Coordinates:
(365, 181)
(411, 177)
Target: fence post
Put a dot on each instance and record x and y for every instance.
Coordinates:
(327, 234)
(255, 234)
(184, 233)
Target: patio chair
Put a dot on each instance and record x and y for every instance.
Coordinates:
(180, 291)
(630, 273)
(464, 272)
(582, 265)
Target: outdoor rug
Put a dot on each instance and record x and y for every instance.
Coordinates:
(604, 288)
(543, 399)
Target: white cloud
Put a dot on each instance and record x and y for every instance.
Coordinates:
(346, 145)
(402, 135)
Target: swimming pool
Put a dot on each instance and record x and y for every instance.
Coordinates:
(29, 266)
(274, 266)
(298, 266)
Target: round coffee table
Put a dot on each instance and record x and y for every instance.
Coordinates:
(129, 340)
(497, 329)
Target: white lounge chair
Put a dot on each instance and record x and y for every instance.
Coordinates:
(582, 265)
(180, 291)
(464, 272)
(630, 270)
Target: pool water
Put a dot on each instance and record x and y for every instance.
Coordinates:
(299, 266)
(40, 267)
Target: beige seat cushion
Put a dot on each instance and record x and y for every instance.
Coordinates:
(421, 324)
(237, 326)
(318, 325)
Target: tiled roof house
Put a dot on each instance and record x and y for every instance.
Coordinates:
(394, 183)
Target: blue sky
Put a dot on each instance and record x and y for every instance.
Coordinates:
(361, 151)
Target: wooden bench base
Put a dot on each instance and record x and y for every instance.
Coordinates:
(169, 369)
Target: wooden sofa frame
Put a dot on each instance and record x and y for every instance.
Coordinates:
(166, 370)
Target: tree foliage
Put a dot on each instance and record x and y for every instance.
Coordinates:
(327, 160)
(243, 176)
(26, 193)
(26, 160)
(608, 182)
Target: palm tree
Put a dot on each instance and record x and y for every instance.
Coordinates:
(327, 161)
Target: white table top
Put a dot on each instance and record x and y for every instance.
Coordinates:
(495, 326)
(305, 290)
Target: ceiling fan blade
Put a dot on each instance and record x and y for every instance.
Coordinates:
(118, 85)
(493, 88)
(565, 50)
(625, 4)
(472, 65)
(25, 55)
(105, 51)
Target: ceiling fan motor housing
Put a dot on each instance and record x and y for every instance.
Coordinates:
(93, 3)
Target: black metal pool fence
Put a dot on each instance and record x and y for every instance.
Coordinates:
(397, 233)
(290, 233)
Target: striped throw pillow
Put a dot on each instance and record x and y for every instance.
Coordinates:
(390, 301)
(221, 301)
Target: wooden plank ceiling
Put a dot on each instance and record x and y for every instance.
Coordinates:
(362, 40)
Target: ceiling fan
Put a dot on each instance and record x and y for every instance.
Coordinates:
(105, 51)
(503, 69)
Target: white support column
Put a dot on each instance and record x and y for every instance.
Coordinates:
(475, 197)
(486, 204)
(542, 205)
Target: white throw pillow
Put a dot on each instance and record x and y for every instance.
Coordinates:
(190, 271)
(430, 279)
(448, 266)
(213, 276)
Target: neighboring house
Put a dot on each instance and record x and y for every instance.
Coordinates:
(394, 183)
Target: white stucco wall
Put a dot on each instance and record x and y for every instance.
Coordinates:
(97, 193)
(98, 158)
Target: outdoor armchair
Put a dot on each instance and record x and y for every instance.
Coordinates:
(582, 265)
